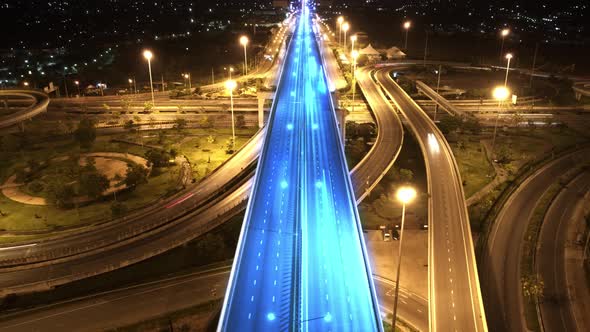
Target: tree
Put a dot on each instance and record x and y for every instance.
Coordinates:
(503, 156)
(179, 123)
(157, 158)
(473, 126)
(129, 125)
(406, 175)
(205, 122)
(136, 175)
(85, 134)
(118, 208)
(449, 124)
(173, 153)
(240, 121)
(148, 107)
(532, 286)
(366, 131)
(93, 184)
(59, 193)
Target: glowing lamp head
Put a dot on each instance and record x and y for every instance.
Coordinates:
(26, 83)
(244, 40)
(353, 38)
(501, 93)
(130, 81)
(505, 32)
(148, 54)
(231, 85)
(407, 25)
(405, 194)
(77, 82)
(355, 54)
(340, 20)
(186, 76)
(345, 26)
(509, 56)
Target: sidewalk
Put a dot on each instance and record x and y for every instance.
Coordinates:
(577, 285)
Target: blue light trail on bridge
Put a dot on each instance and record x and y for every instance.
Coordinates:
(301, 263)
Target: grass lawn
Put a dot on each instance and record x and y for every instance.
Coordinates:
(475, 168)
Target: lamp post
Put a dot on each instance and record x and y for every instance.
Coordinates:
(188, 77)
(503, 34)
(148, 55)
(353, 39)
(407, 26)
(355, 55)
(345, 28)
(500, 93)
(437, 88)
(340, 20)
(508, 57)
(130, 85)
(78, 87)
(231, 85)
(405, 195)
(244, 41)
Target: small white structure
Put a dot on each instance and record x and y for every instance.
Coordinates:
(371, 53)
(394, 53)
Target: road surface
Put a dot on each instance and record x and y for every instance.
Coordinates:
(556, 311)
(301, 262)
(500, 263)
(455, 300)
(40, 106)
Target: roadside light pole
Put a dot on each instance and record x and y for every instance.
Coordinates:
(345, 28)
(503, 34)
(407, 26)
(148, 55)
(355, 55)
(188, 77)
(437, 88)
(78, 87)
(500, 93)
(508, 57)
(231, 85)
(340, 21)
(353, 39)
(130, 85)
(405, 195)
(244, 41)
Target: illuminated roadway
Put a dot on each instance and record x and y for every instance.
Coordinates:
(41, 100)
(301, 261)
(454, 295)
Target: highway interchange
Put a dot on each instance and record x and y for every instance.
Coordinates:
(62, 259)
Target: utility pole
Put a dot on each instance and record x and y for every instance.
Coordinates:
(212, 76)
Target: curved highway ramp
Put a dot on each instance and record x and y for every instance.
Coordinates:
(301, 263)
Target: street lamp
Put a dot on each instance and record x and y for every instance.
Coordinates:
(437, 88)
(355, 55)
(503, 34)
(340, 21)
(244, 41)
(500, 93)
(130, 85)
(405, 195)
(148, 55)
(188, 77)
(26, 84)
(508, 57)
(407, 26)
(77, 86)
(231, 85)
(345, 27)
(353, 39)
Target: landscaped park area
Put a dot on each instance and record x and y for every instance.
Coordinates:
(53, 184)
